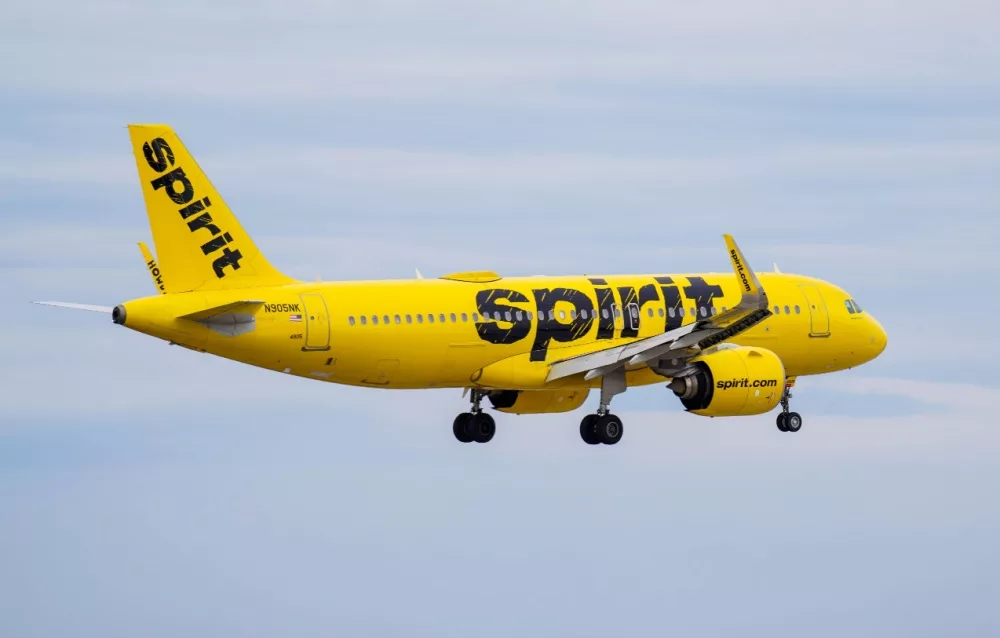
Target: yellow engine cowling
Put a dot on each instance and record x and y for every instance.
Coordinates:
(538, 401)
(733, 382)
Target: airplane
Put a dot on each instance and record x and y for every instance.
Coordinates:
(724, 345)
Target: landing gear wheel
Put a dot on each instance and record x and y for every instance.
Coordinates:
(793, 422)
(609, 429)
(462, 428)
(588, 430)
(483, 427)
(782, 422)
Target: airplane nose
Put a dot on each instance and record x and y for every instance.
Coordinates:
(879, 338)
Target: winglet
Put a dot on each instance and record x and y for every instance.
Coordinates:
(154, 270)
(753, 292)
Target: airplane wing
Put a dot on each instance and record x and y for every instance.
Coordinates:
(680, 344)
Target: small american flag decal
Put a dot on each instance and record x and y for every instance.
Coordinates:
(295, 317)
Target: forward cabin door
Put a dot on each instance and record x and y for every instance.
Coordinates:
(317, 321)
(818, 315)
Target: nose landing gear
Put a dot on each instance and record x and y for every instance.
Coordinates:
(788, 421)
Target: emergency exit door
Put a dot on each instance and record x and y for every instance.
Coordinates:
(317, 321)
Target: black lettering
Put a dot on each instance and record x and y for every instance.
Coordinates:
(702, 294)
(158, 154)
(203, 221)
(493, 331)
(671, 302)
(606, 308)
(228, 258)
(216, 243)
(167, 181)
(196, 207)
(551, 326)
(628, 296)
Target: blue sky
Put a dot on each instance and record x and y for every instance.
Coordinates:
(148, 490)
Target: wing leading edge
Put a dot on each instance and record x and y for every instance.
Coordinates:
(679, 344)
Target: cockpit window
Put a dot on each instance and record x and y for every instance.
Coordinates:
(850, 307)
(857, 308)
(853, 307)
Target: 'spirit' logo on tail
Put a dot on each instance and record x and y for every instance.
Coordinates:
(178, 187)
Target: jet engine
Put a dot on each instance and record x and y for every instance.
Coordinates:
(538, 401)
(737, 381)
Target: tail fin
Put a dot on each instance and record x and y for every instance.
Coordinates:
(198, 239)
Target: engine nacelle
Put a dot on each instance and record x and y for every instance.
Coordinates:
(733, 382)
(538, 401)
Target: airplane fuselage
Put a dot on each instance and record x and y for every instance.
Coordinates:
(478, 329)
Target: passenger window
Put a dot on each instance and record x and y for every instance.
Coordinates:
(604, 313)
(583, 313)
(465, 317)
(364, 320)
(562, 315)
(454, 319)
(671, 312)
(375, 319)
(650, 311)
(660, 311)
(519, 315)
(714, 310)
(693, 313)
(506, 315)
(681, 310)
(496, 315)
(409, 319)
(798, 310)
(704, 311)
(850, 308)
(420, 318)
(572, 315)
(430, 317)
(398, 321)
(385, 318)
(777, 310)
(618, 312)
(530, 316)
(441, 317)
(788, 310)
(350, 320)
(475, 316)
(724, 309)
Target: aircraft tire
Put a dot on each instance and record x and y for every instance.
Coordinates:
(588, 429)
(610, 429)
(782, 422)
(483, 427)
(462, 428)
(793, 422)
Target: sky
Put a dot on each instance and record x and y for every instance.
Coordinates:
(148, 490)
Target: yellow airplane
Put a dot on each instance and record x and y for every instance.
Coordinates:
(529, 345)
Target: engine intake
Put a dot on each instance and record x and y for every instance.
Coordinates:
(733, 382)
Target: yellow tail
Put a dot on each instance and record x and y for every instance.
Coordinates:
(198, 239)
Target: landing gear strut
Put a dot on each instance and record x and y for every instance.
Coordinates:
(605, 427)
(474, 425)
(788, 421)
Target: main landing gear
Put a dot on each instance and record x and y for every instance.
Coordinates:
(605, 427)
(788, 421)
(475, 425)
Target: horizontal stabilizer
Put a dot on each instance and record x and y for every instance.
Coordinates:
(208, 313)
(75, 306)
